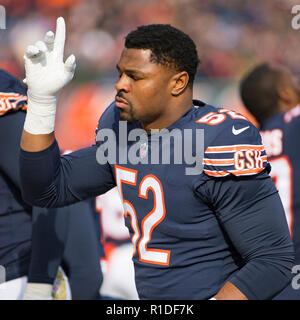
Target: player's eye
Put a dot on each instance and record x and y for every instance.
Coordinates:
(119, 76)
(134, 77)
(129, 75)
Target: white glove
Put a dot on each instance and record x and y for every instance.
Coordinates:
(46, 75)
(38, 291)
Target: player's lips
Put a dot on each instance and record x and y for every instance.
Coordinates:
(121, 102)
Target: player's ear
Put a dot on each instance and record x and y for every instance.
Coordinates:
(287, 95)
(179, 82)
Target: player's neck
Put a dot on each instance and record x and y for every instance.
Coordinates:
(173, 111)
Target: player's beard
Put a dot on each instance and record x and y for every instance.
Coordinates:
(128, 115)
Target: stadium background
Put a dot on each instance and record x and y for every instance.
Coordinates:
(231, 37)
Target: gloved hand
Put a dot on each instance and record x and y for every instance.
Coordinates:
(46, 75)
(38, 291)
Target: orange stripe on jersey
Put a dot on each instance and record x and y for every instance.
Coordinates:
(218, 161)
(234, 148)
(234, 172)
(216, 173)
(10, 95)
(9, 101)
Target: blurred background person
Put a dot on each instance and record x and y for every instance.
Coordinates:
(34, 242)
(272, 94)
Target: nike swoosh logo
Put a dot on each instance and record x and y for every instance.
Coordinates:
(238, 131)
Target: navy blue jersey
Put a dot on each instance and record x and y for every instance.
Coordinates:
(280, 134)
(191, 232)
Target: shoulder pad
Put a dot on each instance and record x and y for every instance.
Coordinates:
(12, 93)
(236, 148)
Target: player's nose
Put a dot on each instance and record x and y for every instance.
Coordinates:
(122, 83)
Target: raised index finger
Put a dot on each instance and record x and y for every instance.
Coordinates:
(60, 37)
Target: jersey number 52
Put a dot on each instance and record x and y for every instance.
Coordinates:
(140, 239)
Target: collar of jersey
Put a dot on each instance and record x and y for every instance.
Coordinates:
(184, 118)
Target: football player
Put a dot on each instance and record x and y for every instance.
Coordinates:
(272, 94)
(34, 241)
(217, 231)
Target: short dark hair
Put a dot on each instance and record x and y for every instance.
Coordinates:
(169, 46)
(258, 90)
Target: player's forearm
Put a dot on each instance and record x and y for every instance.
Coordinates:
(230, 292)
(36, 142)
(49, 180)
(38, 173)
